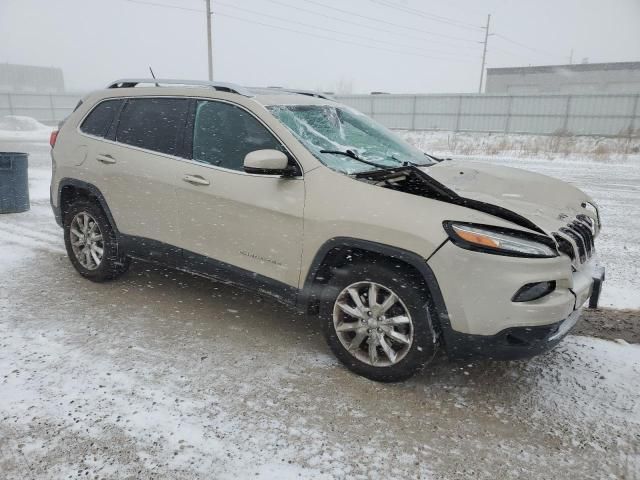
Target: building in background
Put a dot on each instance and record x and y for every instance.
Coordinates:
(620, 77)
(30, 79)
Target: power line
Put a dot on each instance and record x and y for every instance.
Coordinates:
(350, 35)
(369, 27)
(332, 38)
(154, 4)
(255, 22)
(503, 50)
(421, 30)
(467, 8)
(540, 52)
(423, 14)
(404, 27)
(455, 22)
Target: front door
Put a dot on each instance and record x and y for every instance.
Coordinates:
(252, 223)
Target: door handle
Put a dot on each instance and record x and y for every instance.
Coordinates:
(195, 180)
(105, 158)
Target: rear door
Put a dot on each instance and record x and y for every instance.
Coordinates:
(252, 222)
(137, 167)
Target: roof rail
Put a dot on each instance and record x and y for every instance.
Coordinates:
(296, 91)
(220, 86)
(309, 93)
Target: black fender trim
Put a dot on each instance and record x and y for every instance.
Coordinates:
(95, 192)
(308, 293)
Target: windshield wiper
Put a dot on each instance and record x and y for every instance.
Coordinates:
(354, 156)
(437, 159)
(407, 163)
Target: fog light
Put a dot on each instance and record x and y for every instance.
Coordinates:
(534, 291)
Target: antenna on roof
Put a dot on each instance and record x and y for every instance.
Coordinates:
(153, 75)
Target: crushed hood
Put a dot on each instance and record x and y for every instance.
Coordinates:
(547, 202)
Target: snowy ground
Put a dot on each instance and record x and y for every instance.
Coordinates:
(165, 375)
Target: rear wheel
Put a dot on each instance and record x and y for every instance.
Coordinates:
(91, 242)
(376, 321)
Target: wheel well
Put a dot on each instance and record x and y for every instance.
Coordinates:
(70, 193)
(340, 256)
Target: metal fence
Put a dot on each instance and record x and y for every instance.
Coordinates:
(610, 115)
(44, 107)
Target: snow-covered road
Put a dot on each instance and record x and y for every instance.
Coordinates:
(165, 375)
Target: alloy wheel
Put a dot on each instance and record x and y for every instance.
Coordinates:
(86, 241)
(373, 324)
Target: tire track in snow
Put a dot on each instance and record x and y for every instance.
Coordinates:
(40, 235)
(29, 242)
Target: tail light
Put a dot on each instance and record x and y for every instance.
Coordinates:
(53, 138)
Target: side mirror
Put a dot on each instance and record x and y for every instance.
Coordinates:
(266, 162)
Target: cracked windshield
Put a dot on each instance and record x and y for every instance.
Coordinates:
(331, 133)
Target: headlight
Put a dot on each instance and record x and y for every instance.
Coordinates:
(499, 241)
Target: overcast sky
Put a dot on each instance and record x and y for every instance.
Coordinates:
(397, 46)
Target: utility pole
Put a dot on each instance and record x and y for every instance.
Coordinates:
(484, 52)
(571, 57)
(209, 46)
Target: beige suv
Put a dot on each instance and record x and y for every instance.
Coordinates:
(294, 195)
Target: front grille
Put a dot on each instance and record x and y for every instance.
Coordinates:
(576, 239)
(565, 246)
(586, 234)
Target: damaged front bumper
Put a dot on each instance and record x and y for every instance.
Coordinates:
(510, 344)
(520, 342)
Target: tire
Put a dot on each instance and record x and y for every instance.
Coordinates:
(112, 262)
(340, 331)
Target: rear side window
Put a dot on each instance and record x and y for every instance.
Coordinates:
(99, 120)
(153, 123)
(223, 134)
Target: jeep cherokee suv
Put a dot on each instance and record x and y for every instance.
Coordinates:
(297, 196)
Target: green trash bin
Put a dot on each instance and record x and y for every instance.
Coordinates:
(14, 182)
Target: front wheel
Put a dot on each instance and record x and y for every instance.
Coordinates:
(376, 321)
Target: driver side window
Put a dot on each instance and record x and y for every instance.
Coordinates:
(223, 134)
